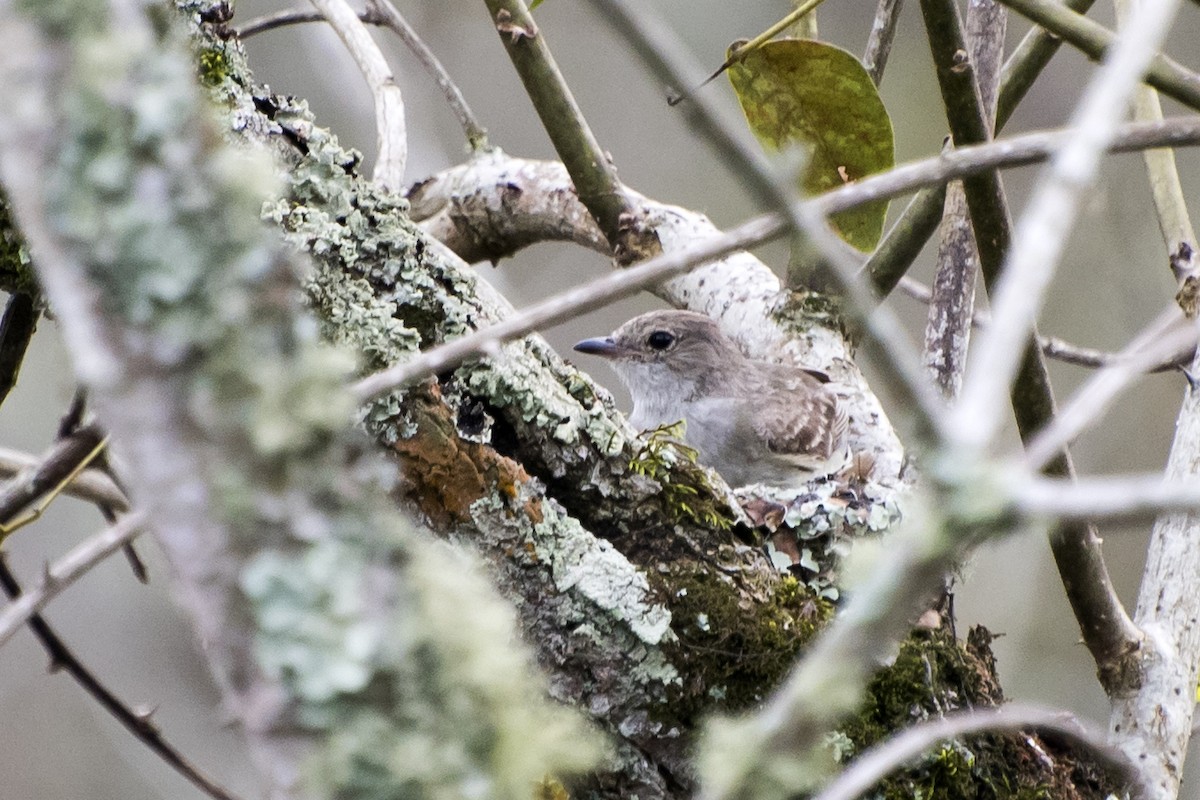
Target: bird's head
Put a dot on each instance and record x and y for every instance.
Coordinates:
(678, 351)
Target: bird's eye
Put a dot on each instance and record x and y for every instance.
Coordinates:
(660, 340)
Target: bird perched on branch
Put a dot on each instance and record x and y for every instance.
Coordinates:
(752, 421)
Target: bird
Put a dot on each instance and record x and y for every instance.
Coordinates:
(752, 421)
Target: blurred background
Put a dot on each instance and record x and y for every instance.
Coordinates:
(1113, 281)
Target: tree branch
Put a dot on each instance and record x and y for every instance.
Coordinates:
(140, 725)
(1054, 347)
(1094, 40)
(68, 569)
(948, 326)
(907, 237)
(879, 43)
(1163, 339)
(391, 135)
(385, 13)
(1046, 223)
(594, 176)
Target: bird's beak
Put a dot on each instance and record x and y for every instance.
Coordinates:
(600, 347)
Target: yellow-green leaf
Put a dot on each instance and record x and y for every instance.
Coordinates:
(804, 92)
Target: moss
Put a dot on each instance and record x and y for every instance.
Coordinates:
(212, 66)
(16, 273)
(685, 488)
(932, 675)
(737, 651)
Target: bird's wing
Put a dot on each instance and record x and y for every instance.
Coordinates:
(801, 419)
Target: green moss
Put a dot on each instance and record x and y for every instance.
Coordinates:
(738, 651)
(685, 488)
(213, 66)
(934, 674)
(16, 274)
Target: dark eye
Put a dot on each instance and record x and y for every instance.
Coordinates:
(660, 340)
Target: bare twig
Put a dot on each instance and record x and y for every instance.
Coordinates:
(68, 569)
(948, 326)
(1094, 40)
(49, 474)
(1051, 346)
(391, 18)
(1026, 63)
(879, 43)
(140, 725)
(1163, 339)
(884, 758)
(384, 13)
(1046, 223)
(289, 16)
(1174, 222)
(390, 132)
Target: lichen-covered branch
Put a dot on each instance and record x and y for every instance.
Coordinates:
(324, 616)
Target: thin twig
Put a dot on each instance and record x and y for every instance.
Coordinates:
(68, 569)
(879, 43)
(972, 84)
(390, 132)
(1048, 219)
(91, 485)
(50, 473)
(292, 16)
(385, 14)
(1163, 339)
(1166, 189)
(1051, 346)
(1026, 63)
(1026, 149)
(1094, 40)
(140, 725)
(884, 758)
(391, 18)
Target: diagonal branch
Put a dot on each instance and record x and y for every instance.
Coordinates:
(68, 569)
(594, 176)
(1095, 41)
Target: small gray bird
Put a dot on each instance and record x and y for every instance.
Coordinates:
(752, 421)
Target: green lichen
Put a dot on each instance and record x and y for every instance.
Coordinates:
(685, 488)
